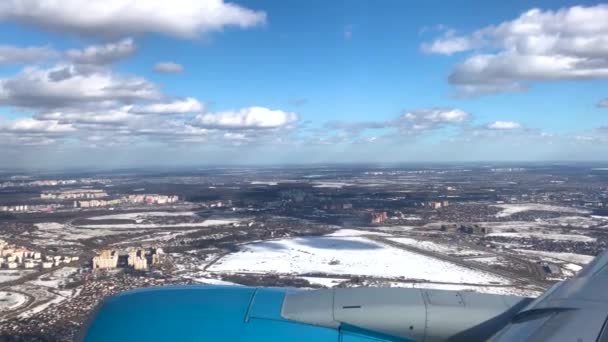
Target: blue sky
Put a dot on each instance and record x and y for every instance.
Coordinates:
(301, 81)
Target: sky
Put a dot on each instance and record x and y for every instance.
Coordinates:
(125, 83)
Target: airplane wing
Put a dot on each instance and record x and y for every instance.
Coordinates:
(573, 310)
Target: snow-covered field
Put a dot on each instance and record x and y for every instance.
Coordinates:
(498, 290)
(579, 259)
(327, 282)
(486, 260)
(435, 247)
(394, 228)
(56, 278)
(206, 223)
(138, 217)
(337, 185)
(355, 232)
(43, 297)
(53, 231)
(510, 209)
(9, 275)
(11, 300)
(345, 256)
(558, 237)
(264, 183)
(578, 221)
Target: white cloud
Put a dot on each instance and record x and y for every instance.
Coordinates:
(503, 125)
(179, 18)
(430, 118)
(29, 125)
(603, 103)
(66, 85)
(247, 118)
(77, 116)
(570, 43)
(168, 67)
(448, 44)
(23, 55)
(103, 54)
(179, 106)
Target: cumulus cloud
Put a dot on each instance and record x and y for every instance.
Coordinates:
(30, 125)
(24, 55)
(503, 125)
(66, 85)
(75, 116)
(410, 123)
(178, 106)
(168, 67)
(603, 103)
(103, 54)
(570, 43)
(358, 126)
(448, 44)
(431, 118)
(179, 18)
(247, 118)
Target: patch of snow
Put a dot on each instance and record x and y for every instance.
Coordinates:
(579, 259)
(510, 209)
(39, 308)
(336, 185)
(355, 232)
(435, 247)
(264, 183)
(346, 256)
(206, 223)
(486, 260)
(327, 282)
(139, 215)
(573, 267)
(212, 281)
(558, 237)
(49, 225)
(56, 278)
(11, 300)
(498, 290)
(10, 275)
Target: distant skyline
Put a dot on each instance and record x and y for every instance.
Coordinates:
(207, 82)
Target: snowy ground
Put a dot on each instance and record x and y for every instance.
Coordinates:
(337, 185)
(510, 209)
(578, 221)
(138, 217)
(437, 248)
(579, 259)
(395, 229)
(345, 256)
(481, 289)
(486, 260)
(9, 275)
(206, 223)
(11, 300)
(44, 297)
(327, 282)
(558, 237)
(355, 232)
(264, 183)
(53, 231)
(56, 278)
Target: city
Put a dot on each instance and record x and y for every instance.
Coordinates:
(353, 171)
(506, 229)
